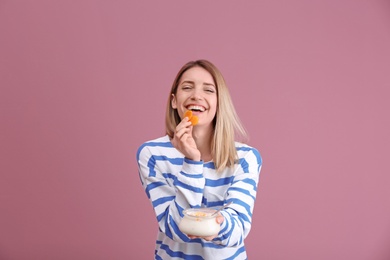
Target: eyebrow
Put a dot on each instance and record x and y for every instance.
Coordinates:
(192, 82)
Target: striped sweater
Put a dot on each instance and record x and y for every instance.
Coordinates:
(174, 183)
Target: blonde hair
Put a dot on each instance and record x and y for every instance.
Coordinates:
(227, 125)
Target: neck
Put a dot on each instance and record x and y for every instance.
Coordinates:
(203, 140)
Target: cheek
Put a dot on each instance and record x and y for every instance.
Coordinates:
(215, 104)
(180, 99)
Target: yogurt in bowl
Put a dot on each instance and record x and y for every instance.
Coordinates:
(199, 222)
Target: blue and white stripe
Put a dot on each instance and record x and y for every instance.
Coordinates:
(173, 183)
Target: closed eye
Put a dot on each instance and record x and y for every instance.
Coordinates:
(186, 87)
(209, 89)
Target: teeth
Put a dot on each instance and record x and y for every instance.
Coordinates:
(196, 108)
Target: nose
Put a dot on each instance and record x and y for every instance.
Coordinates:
(196, 94)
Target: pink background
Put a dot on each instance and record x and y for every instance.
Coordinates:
(84, 83)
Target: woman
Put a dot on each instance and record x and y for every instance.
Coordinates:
(200, 166)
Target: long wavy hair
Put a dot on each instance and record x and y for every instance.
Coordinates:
(227, 125)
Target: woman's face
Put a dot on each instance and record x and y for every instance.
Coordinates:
(197, 92)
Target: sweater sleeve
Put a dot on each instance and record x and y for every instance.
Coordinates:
(238, 217)
(171, 184)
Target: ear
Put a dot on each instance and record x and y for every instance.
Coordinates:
(173, 102)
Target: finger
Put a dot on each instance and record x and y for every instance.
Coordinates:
(183, 124)
(184, 137)
(185, 121)
(179, 133)
(209, 238)
(191, 127)
(220, 219)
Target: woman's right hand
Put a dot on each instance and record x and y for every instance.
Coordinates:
(184, 142)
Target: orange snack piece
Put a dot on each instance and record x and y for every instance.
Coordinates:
(193, 119)
(188, 114)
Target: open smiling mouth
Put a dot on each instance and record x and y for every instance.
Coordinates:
(196, 108)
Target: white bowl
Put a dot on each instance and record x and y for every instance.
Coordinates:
(199, 222)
